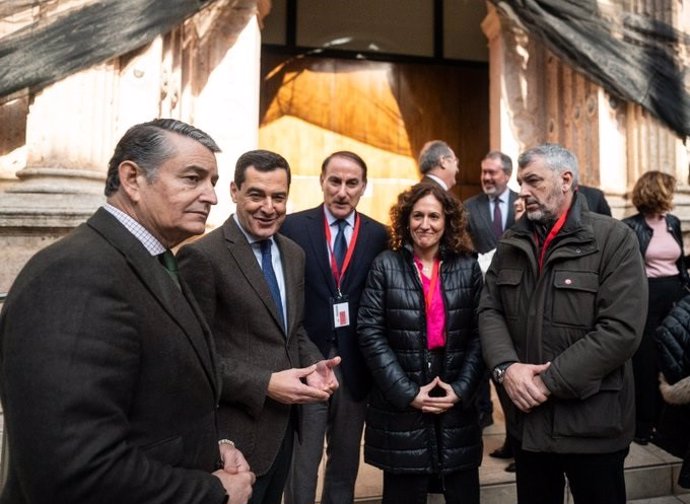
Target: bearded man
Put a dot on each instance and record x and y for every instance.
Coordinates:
(560, 317)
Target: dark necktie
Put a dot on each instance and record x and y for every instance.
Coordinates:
(167, 259)
(270, 275)
(340, 246)
(497, 224)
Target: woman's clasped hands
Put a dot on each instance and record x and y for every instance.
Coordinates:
(435, 397)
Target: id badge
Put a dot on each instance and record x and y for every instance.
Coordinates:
(341, 312)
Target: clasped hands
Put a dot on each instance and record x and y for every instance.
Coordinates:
(524, 385)
(235, 476)
(443, 398)
(314, 383)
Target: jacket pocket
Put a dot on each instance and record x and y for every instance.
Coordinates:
(167, 451)
(598, 416)
(508, 284)
(574, 298)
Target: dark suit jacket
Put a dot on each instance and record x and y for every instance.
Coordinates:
(596, 201)
(107, 378)
(228, 283)
(426, 179)
(480, 219)
(307, 229)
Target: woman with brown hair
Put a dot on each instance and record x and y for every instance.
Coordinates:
(661, 246)
(417, 329)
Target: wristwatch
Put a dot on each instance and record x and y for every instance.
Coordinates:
(499, 372)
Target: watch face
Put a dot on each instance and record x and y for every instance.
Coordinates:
(498, 375)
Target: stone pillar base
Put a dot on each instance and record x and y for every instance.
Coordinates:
(58, 180)
(32, 221)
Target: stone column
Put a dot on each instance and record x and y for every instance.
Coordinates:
(225, 78)
(516, 102)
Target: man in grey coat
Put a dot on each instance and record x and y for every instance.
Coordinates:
(560, 317)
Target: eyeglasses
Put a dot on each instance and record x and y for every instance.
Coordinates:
(451, 157)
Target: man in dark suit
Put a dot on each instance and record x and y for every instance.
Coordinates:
(489, 214)
(249, 281)
(492, 211)
(596, 201)
(438, 164)
(336, 270)
(108, 379)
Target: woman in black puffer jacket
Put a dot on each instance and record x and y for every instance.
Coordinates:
(417, 328)
(673, 340)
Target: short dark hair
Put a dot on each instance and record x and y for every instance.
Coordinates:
(347, 155)
(147, 144)
(506, 162)
(431, 155)
(261, 160)
(455, 238)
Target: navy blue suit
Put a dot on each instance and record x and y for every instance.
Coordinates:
(341, 419)
(307, 229)
(480, 218)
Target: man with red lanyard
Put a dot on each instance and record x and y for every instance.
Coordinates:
(561, 315)
(340, 244)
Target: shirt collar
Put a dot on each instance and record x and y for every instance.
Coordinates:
(504, 196)
(438, 180)
(250, 237)
(150, 242)
(330, 218)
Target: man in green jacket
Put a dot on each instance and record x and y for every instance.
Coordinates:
(561, 315)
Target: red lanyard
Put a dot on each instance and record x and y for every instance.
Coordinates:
(552, 234)
(338, 275)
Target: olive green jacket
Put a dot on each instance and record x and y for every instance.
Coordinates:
(584, 313)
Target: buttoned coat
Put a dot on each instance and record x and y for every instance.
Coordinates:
(480, 220)
(400, 438)
(307, 229)
(583, 312)
(107, 377)
(228, 283)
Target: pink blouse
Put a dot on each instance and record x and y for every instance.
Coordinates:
(436, 313)
(663, 250)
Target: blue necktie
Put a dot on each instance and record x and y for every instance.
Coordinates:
(340, 246)
(270, 275)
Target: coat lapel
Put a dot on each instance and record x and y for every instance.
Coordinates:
(485, 213)
(242, 253)
(292, 281)
(317, 242)
(511, 209)
(161, 286)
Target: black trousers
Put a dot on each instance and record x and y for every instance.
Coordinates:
(461, 487)
(593, 478)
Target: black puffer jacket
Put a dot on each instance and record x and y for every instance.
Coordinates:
(392, 336)
(673, 342)
(644, 236)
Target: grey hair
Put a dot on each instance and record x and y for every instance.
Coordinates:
(506, 162)
(431, 155)
(556, 157)
(147, 145)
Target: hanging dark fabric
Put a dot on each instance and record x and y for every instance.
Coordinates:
(57, 45)
(639, 64)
